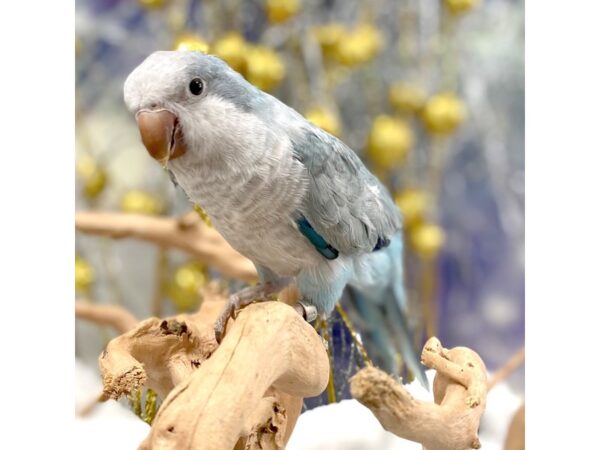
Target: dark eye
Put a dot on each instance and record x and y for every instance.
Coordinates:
(196, 86)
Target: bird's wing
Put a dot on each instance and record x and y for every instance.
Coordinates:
(345, 203)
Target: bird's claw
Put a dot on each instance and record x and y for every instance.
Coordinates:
(240, 299)
(221, 322)
(220, 327)
(234, 303)
(218, 334)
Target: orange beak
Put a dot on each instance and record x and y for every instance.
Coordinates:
(161, 134)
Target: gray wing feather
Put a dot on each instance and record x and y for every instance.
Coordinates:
(345, 203)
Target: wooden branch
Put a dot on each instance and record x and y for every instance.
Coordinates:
(459, 390)
(89, 406)
(188, 233)
(507, 369)
(457, 369)
(213, 293)
(245, 393)
(112, 315)
(515, 438)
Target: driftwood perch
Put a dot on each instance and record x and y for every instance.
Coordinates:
(112, 315)
(507, 369)
(459, 390)
(515, 438)
(244, 394)
(187, 233)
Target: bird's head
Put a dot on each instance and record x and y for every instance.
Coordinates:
(183, 101)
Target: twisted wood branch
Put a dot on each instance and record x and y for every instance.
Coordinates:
(187, 233)
(244, 393)
(459, 389)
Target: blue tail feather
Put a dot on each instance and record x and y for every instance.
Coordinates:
(378, 297)
(386, 332)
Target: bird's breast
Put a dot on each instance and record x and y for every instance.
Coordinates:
(254, 211)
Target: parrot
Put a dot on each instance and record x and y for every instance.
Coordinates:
(292, 198)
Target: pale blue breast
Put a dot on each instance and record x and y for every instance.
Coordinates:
(254, 212)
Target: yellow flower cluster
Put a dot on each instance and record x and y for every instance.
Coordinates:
(389, 141)
(264, 67)
(329, 36)
(427, 240)
(325, 119)
(184, 286)
(443, 113)
(231, 48)
(413, 203)
(141, 202)
(406, 98)
(84, 276)
(461, 6)
(93, 177)
(279, 11)
(190, 42)
(259, 64)
(349, 47)
(152, 4)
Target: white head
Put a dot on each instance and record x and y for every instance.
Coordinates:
(188, 102)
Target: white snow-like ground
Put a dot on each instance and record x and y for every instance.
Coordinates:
(346, 425)
(110, 425)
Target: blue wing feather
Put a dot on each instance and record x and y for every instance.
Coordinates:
(345, 204)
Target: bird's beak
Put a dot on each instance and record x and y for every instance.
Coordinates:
(161, 134)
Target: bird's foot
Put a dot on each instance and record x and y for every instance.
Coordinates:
(260, 292)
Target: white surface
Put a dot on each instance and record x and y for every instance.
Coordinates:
(348, 425)
(342, 426)
(110, 425)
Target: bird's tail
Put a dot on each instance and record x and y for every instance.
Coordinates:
(378, 303)
(386, 334)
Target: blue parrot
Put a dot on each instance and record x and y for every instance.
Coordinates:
(289, 196)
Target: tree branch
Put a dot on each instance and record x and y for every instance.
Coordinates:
(245, 393)
(459, 390)
(187, 233)
(515, 437)
(508, 368)
(112, 315)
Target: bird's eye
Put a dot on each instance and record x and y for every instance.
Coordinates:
(196, 86)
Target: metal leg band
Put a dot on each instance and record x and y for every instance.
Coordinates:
(309, 312)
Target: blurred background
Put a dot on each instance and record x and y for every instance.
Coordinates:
(429, 93)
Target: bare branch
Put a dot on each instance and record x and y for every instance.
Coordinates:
(112, 315)
(459, 390)
(247, 391)
(507, 369)
(515, 438)
(188, 233)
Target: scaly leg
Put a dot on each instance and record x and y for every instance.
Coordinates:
(260, 292)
